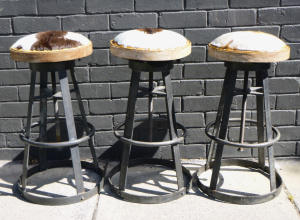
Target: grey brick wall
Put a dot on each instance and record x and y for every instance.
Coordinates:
(197, 79)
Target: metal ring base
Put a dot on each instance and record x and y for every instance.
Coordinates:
(66, 200)
(243, 200)
(150, 199)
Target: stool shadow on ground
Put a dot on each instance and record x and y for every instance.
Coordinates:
(60, 182)
(42, 184)
(239, 181)
(148, 179)
(161, 181)
(195, 190)
(250, 170)
(9, 174)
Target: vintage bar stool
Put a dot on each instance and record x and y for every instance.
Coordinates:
(245, 51)
(51, 52)
(150, 50)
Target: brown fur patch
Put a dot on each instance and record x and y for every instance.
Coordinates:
(150, 30)
(53, 40)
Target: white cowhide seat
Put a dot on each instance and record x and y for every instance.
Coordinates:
(150, 44)
(249, 46)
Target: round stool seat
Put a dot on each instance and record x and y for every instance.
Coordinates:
(51, 46)
(150, 44)
(249, 46)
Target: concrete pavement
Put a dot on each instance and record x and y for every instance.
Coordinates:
(157, 180)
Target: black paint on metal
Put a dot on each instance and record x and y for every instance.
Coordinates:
(138, 67)
(42, 144)
(264, 126)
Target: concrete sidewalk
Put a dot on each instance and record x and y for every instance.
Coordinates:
(194, 205)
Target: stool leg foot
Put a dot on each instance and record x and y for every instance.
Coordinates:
(172, 127)
(71, 130)
(212, 146)
(128, 130)
(228, 88)
(28, 129)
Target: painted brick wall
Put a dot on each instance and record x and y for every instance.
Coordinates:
(197, 79)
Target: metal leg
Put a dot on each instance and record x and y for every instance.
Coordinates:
(78, 96)
(172, 127)
(43, 118)
(55, 105)
(71, 130)
(269, 130)
(260, 121)
(244, 108)
(28, 129)
(150, 108)
(128, 130)
(229, 92)
(218, 118)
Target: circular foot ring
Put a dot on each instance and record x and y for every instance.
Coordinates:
(243, 200)
(57, 144)
(67, 199)
(176, 140)
(150, 199)
(243, 145)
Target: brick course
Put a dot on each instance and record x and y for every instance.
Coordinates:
(26, 25)
(197, 79)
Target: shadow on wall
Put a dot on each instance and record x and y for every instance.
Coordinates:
(160, 133)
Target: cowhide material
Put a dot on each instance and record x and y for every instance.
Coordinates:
(53, 40)
(150, 30)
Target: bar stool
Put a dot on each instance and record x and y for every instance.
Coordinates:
(150, 50)
(54, 52)
(244, 51)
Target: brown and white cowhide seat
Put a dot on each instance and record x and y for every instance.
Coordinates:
(51, 46)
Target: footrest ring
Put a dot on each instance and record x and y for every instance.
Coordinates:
(151, 144)
(57, 144)
(243, 145)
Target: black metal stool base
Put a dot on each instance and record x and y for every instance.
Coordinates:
(242, 200)
(137, 67)
(61, 69)
(267, 135)
(150, 199)
(64, 200)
